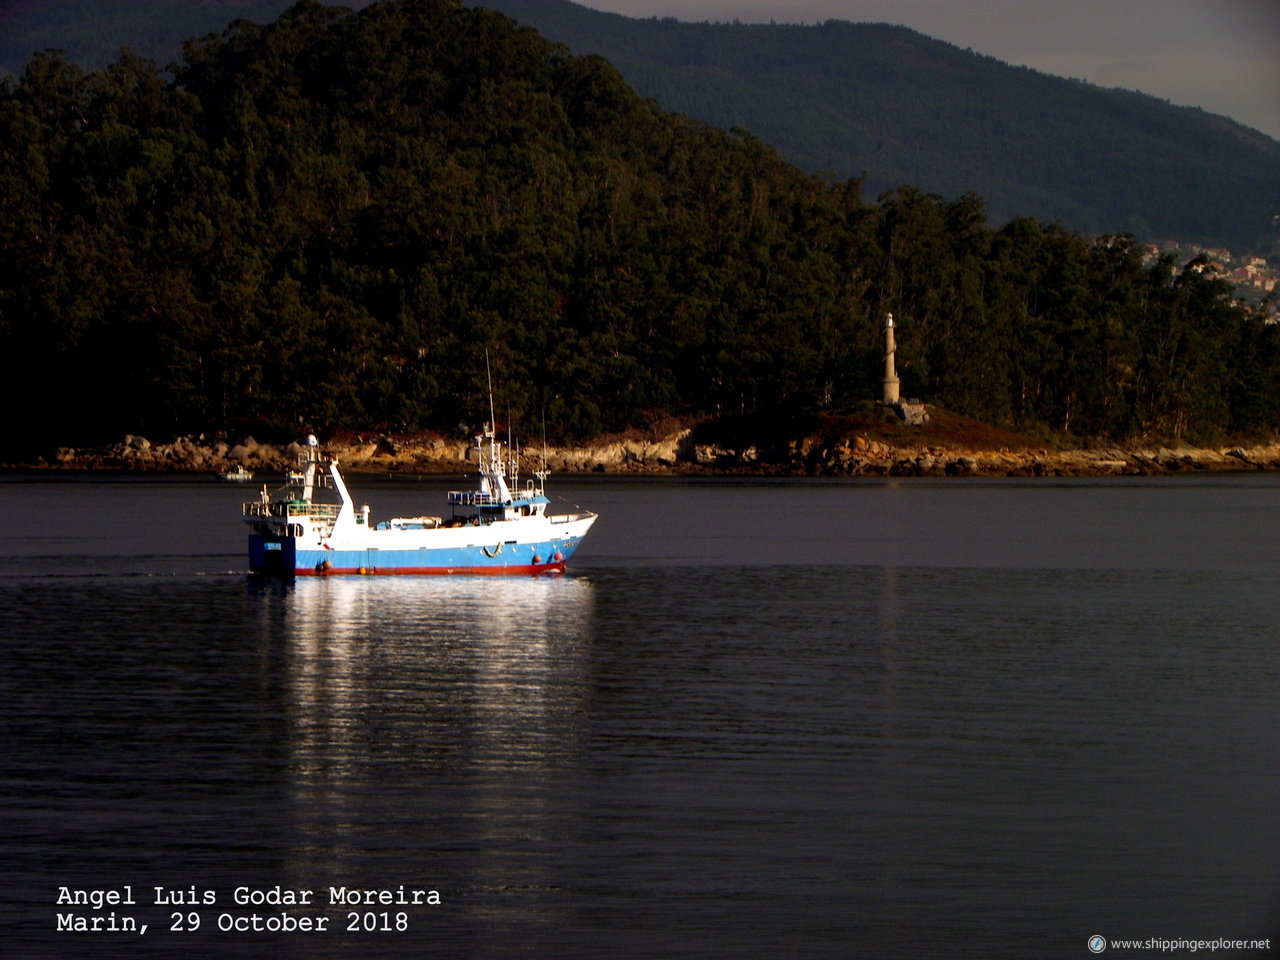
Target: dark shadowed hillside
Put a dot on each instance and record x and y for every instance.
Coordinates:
(849, 99)
(326, 222)
(92, 32)
(903, 108)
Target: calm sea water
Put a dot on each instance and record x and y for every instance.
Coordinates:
(913, 719)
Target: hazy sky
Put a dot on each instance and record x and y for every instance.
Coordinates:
(1221, 55)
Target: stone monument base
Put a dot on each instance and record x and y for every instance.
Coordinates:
(912, 413)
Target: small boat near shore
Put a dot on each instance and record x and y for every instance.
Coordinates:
(311, 526)
(237, 474)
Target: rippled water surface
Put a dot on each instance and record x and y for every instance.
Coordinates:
(757, 720)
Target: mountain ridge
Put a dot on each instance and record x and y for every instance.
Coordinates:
(332, 222)
(873, 101)
(888, 103)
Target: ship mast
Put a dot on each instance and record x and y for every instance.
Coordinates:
(492, 476)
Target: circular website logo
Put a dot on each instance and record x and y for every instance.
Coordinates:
(1097, 944)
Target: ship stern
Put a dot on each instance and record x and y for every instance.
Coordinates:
(271, 556)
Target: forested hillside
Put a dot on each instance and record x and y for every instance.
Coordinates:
(324, 224)
(853, 100)
(902, 108)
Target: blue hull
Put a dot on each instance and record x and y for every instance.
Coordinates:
(280, 556)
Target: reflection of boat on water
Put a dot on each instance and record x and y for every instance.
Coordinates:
(418, 708)
(237, 474)
(516, 615)
(498, 528)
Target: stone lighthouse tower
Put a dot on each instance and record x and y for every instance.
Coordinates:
(910, 412)
(890, 381)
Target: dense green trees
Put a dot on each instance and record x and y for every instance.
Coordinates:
(862, 99)
(326, 222)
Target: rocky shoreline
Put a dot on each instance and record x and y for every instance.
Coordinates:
(831, 453)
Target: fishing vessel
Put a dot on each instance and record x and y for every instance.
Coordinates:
(311, 526)
(237, 474)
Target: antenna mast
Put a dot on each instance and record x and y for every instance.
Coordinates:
(488, 374)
